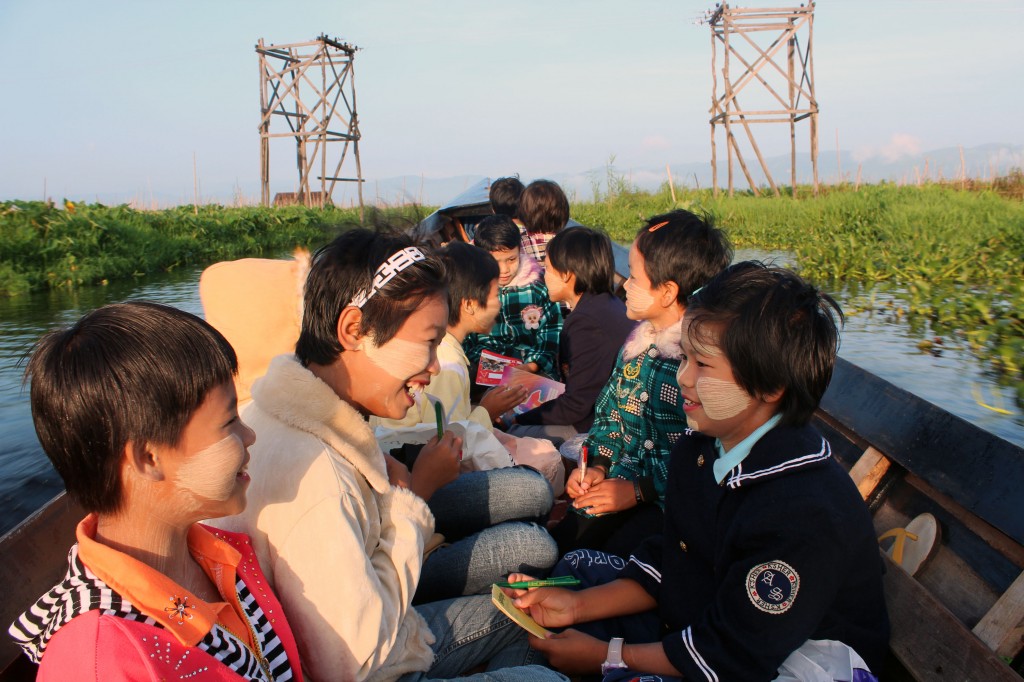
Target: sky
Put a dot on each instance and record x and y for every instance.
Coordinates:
(116, 100)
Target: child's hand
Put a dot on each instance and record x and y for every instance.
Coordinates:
(436, 465)
(517, 578)
(552, 607)
(593, 476)
(612, 495)
(500, 399)
(572, 652)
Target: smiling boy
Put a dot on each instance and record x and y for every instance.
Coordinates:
(767, 546)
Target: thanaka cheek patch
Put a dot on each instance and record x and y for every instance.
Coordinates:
(721, 399)
(399, 358)
(637, 299)
(210, 473)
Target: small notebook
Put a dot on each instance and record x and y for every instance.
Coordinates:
(518, 616)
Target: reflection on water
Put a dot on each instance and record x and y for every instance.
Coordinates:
(26, 478)
(874, 338)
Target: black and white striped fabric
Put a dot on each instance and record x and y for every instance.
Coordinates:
(82, 591)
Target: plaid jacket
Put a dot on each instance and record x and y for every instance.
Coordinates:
(528, 325)
(638, 420)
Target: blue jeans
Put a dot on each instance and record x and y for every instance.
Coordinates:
(471, 632)
(489, 517)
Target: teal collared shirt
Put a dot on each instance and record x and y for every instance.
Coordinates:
(727, 461)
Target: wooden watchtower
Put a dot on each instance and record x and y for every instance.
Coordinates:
(771, 48)
(307, 93)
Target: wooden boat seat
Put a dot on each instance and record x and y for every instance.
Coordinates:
(962, 617)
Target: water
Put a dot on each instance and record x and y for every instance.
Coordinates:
(875, 339)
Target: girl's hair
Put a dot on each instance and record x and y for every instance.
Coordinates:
(777, 331)
(504, 195)
(683, 248)
(346, 268)
(124, 373)
(543, 207)
(587, 254)
(497, 233)
(471, 271)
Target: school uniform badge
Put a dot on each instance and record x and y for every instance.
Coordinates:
(772, 586)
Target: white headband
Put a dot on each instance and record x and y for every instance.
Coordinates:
(387, 272)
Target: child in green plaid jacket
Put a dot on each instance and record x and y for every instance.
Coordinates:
(529, 324)
(639, 415)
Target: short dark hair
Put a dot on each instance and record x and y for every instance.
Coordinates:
(346, 267)
(543, 207)
(684, 248)
(587, 254)
(497, 233)
(471, 271)
(504, 195)
(777, 331)
(124, 373)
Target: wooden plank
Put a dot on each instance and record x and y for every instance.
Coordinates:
(1002, 628)
(929, 640)
(931, 443)
(868, 471)
(33, 558)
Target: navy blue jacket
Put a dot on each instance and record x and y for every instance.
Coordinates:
(592, 335)
(781, 552)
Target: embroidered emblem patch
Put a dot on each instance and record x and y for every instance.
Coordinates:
(772, 587)
(531, 316)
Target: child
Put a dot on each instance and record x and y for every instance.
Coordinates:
(768, 547)
(341, 533)
(529, 323)
(638, 417)
(544, 211)
(135, 407)
(480, 512)
(580, 273)
(504, 196)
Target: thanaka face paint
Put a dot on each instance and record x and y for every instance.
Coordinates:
(721, 399)
(638, 299)
(212, 472)
(399, 358)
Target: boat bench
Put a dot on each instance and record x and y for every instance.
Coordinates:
(962, 616)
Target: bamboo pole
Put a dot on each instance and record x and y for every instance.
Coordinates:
(195, 186)
(714, 114)
(809, 68)
(671, 185)
(791, 67)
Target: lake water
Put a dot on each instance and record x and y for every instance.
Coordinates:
(877, 340)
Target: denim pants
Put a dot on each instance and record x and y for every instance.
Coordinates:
(490, 518)
(471, 632)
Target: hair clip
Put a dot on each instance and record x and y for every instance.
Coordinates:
(697, 291)
(654, 228)
(387, 271)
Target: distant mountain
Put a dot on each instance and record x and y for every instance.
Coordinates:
(984, 161)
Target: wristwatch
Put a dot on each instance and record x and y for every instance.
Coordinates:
(613, 660)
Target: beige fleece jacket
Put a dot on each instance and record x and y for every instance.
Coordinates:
(341, 547)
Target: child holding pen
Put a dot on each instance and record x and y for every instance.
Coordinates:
(768, 557)
(638, 415)
(341, 533)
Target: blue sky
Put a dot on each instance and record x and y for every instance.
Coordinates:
(111, 99)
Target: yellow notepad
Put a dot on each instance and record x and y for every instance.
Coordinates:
(518, 616)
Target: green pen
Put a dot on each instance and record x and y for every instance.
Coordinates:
(561, 581)
(439, 413)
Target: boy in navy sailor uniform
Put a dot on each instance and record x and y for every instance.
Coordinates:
(767, 545)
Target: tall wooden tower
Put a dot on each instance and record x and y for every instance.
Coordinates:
(770, 50)
(307, 93)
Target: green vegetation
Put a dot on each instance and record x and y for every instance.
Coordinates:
(44, 247)
(951, 258)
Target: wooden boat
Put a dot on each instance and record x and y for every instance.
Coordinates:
(961, 617)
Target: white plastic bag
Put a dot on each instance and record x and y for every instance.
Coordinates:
(481, 451)
(824, 660)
